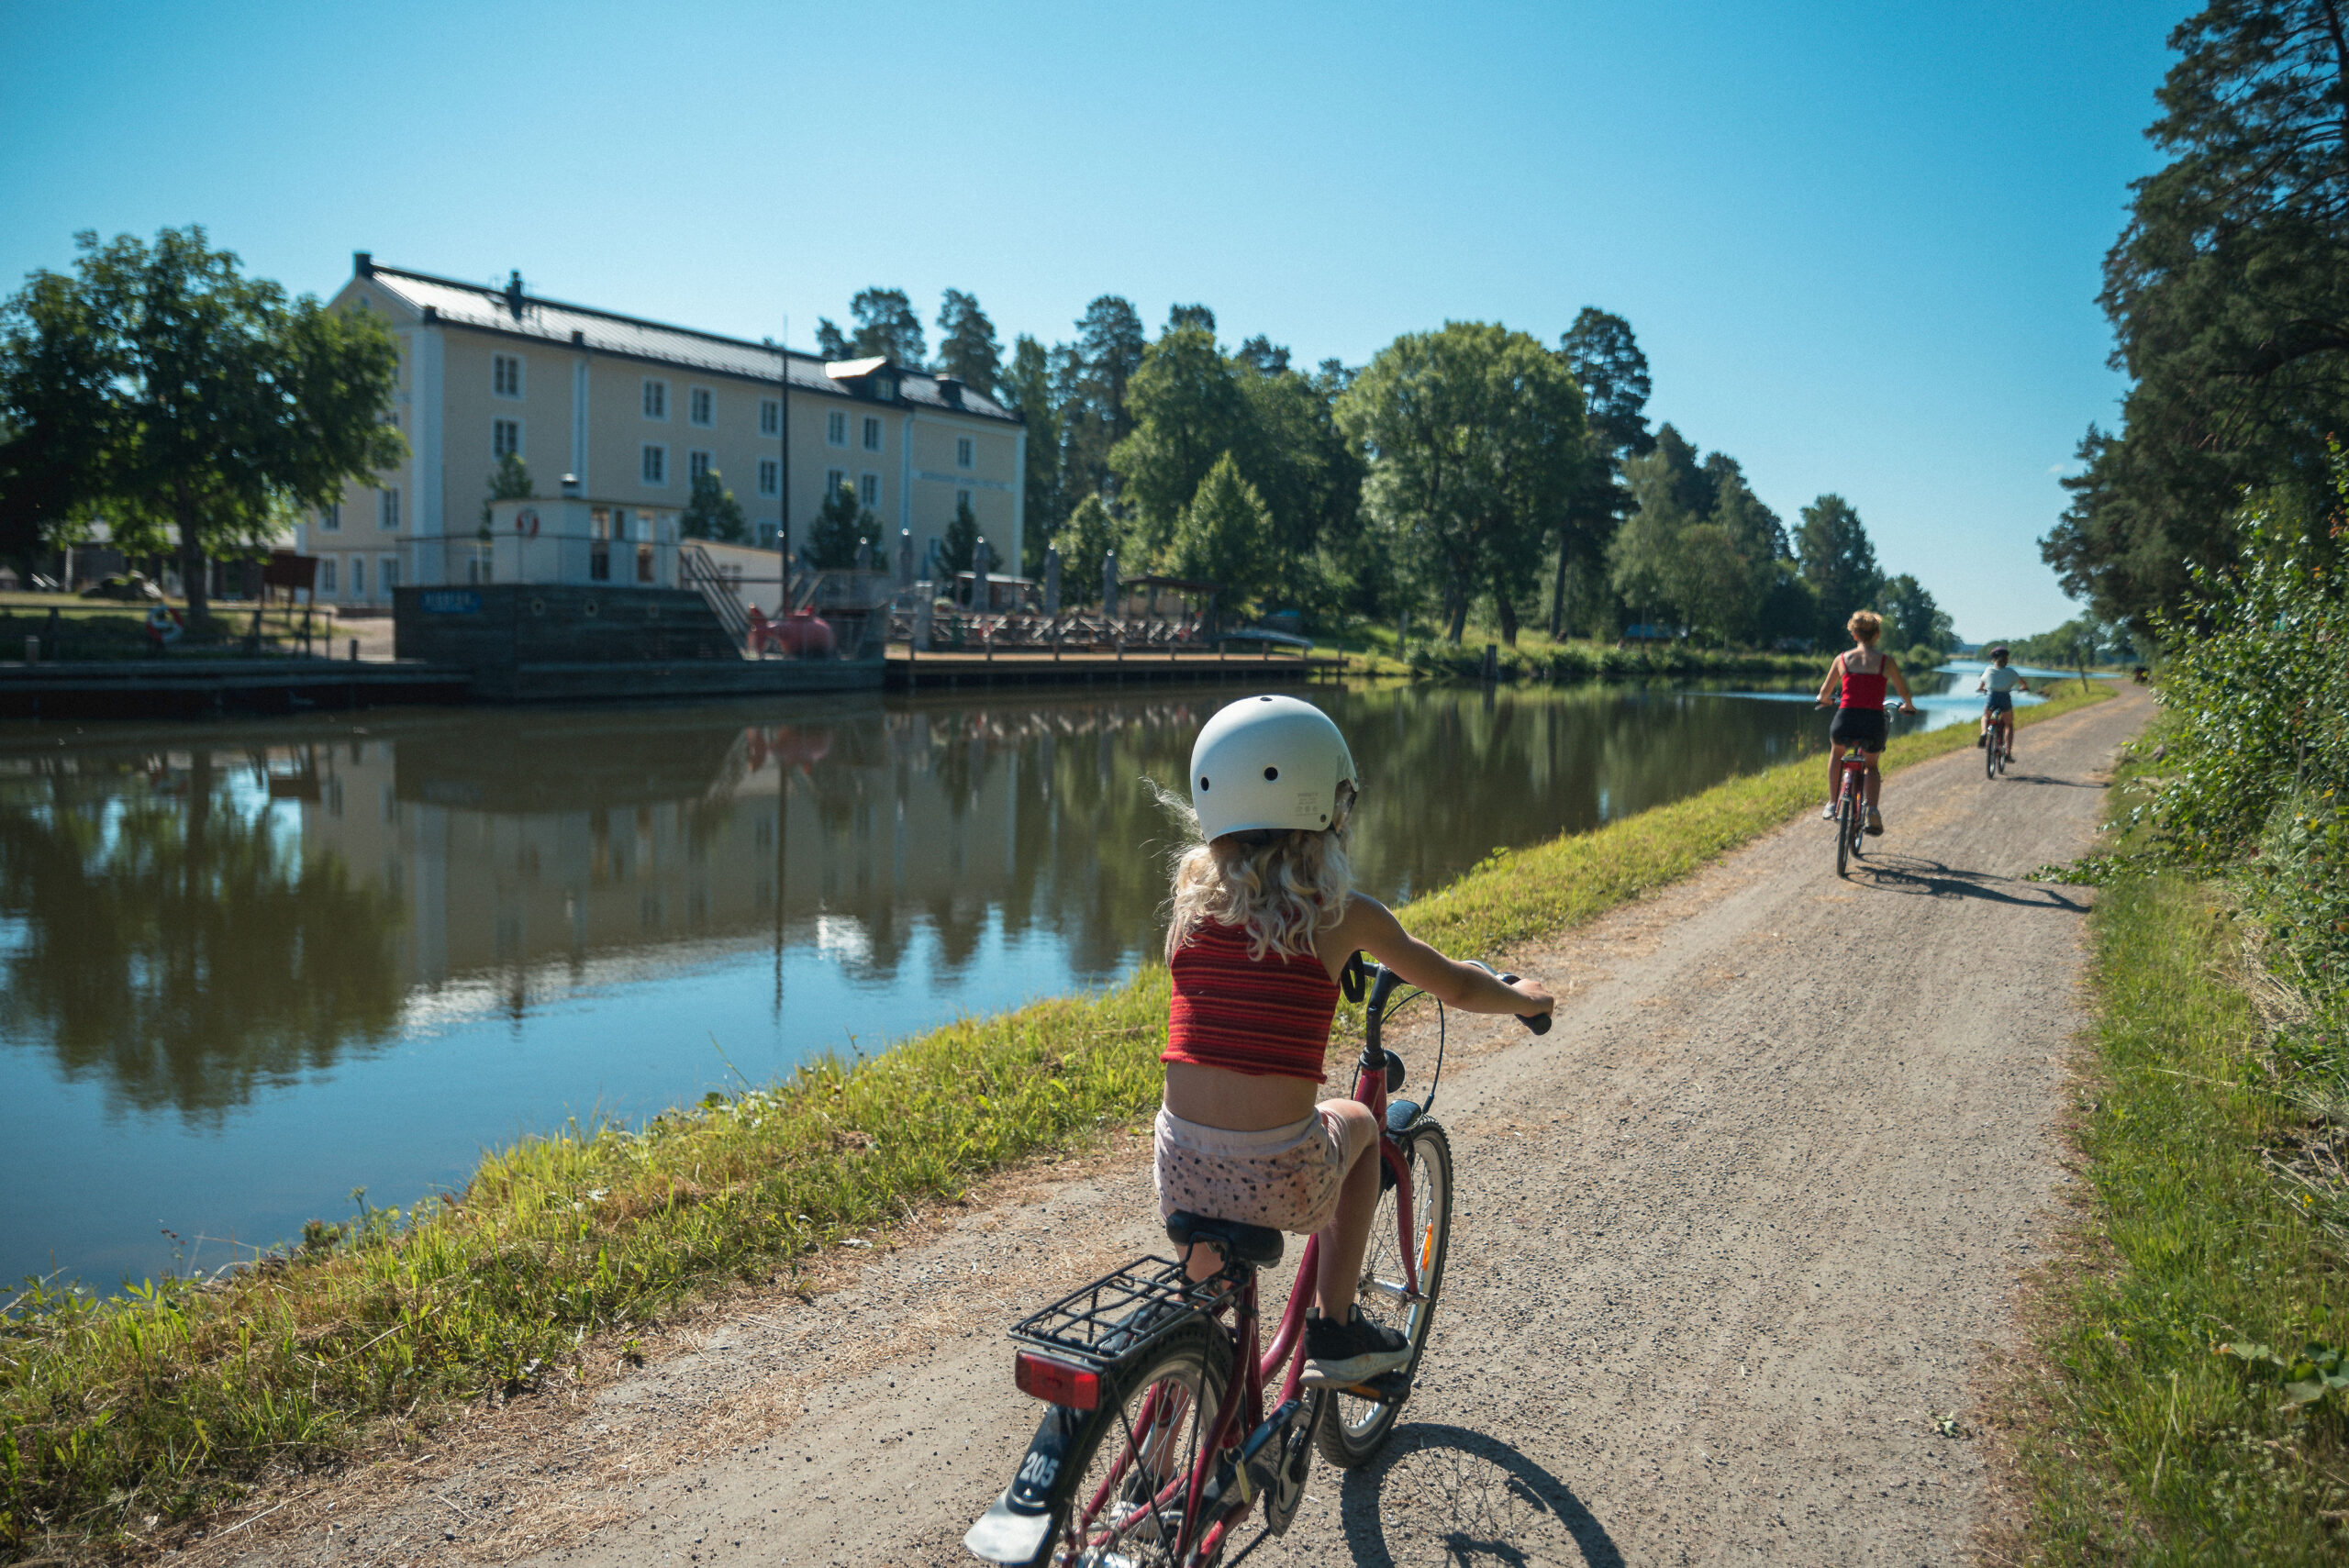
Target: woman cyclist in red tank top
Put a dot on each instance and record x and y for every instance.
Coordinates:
(1264, 917)
(1857, 678)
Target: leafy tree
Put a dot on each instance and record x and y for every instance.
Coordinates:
(1913, 618)
(1188, 411)
(959, 546)
(1190, 318)
(1086, 542)
(1837, 561)
(1027, 391)
(886, 325)
(1261, 355)
(1224, 537)
(1608, 365)
(509, 480)
(2229, 296)
(967, 349)
(1643, 556)
(1476, 435)
(203, 401)
(842, 524)
(711, 512)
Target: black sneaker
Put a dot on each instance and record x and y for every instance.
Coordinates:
(1340, 1355)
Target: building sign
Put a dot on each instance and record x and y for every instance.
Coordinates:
(452, 601)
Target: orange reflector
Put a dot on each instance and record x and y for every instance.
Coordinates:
(1057, 1383)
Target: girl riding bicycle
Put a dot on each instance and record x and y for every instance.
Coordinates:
(1264, 918)
(1999, 709)
(1858, 677)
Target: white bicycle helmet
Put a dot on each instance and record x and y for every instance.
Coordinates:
(1268, 763)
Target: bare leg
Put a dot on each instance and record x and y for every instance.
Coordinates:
(1834, 773)
(1875, 782)
(1347, 1238)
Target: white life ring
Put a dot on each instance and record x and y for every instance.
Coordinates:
(526, 522)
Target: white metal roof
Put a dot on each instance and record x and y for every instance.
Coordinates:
(489, 309)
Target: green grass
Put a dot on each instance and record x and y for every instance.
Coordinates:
(176, 1399)
(2141, 1441)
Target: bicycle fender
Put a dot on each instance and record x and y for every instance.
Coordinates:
(1015, 1529)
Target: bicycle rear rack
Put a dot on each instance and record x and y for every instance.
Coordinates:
(1121, 1312)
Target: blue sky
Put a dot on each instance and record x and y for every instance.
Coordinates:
(1859, 243)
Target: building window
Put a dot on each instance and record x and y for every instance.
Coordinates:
(388, 511)
(696, 465)
(700, 408)
(963, 451)
(330, 517)
(656, 399)
(387, 577)
(872, 434)
(325, 574)
(869, 491)
(770, 476)
(504, 439)
(644, 563)
(656, 465)
(835, 480)
(506, 375)
(770, 416)
(836, 430)
(358, 576)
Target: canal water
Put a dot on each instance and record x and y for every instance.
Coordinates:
(246, 969)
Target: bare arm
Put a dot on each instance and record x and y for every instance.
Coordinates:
(1834, 678)
(1369, 925)
(1900, 683)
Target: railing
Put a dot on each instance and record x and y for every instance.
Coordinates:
(699, 573)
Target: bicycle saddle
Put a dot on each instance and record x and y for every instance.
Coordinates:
(1240, 1243)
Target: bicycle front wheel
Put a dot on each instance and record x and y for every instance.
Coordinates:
(1353, 1428)
(1128, 1476)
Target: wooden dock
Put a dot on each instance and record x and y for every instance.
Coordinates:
(909, 671)
(199, 687)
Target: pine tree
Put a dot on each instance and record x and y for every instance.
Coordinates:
(967, 349)
(712, 513)
(839, 528)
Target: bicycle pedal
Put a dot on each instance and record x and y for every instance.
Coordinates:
(1386, 1388)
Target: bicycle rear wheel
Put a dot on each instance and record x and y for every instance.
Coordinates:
(1846, 815)
(1127, 1477)
(1991, 753)
(1352, 1428)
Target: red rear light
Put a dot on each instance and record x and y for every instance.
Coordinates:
(1057, 1383)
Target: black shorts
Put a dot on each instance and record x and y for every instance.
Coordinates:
(2000, 702)
(1865, 728)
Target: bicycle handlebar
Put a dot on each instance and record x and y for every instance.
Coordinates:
(1538, 1022)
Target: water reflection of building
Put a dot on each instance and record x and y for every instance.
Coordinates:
(528, 845)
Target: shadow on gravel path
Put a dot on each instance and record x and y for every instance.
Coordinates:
(1915, 876)
(1442, 1494)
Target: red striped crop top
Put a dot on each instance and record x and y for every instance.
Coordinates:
(1265, 1019)
(1862, 688)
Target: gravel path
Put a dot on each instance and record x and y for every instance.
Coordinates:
(1729, 1240)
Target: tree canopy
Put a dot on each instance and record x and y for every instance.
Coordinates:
(2228, 291)
(162, 387)
(712, 513)
(886, 325)
(967, 349)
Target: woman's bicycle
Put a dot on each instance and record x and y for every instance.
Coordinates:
(1996, 749)
(1158, 1448)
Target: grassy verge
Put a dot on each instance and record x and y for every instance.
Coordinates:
(169, 1403)
(2145, 1439)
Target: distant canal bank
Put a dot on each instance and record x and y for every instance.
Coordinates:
(249, 969)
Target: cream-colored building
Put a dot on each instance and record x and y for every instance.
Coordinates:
(633, 410)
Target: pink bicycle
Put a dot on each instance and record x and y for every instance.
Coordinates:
(1154, 1452)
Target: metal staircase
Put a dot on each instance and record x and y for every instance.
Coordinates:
(698, 572)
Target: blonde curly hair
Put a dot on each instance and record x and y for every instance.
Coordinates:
(1284, 887)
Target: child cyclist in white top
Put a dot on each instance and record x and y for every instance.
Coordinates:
(2000, 681)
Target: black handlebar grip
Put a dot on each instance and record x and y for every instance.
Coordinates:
(1538, 1022)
